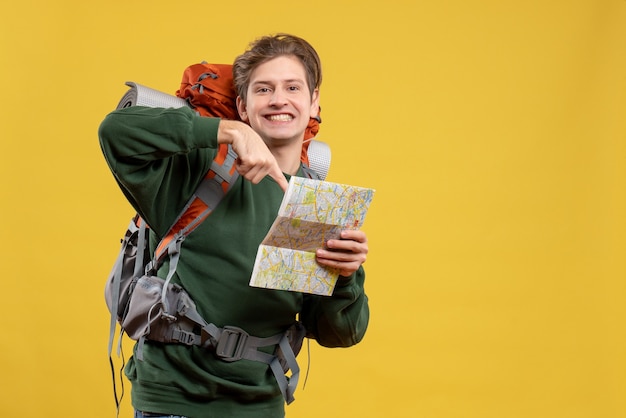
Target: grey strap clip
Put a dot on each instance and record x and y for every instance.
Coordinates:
(232, 344)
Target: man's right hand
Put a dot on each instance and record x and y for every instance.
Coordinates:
(255, 161)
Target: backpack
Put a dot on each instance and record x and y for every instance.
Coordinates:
(148, 307)
(209, 89)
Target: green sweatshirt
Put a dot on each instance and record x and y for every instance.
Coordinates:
(158, 157)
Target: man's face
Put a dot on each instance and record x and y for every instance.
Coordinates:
(279, 103)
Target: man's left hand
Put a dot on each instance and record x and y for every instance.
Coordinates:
(345, 254)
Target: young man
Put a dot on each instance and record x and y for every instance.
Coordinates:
(158, 157)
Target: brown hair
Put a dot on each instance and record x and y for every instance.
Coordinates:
(273, 46)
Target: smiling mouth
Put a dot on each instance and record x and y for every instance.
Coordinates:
(283, 117)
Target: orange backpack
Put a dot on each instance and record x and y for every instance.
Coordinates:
(209, 90)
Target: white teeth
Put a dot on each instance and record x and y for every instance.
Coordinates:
(280, 118)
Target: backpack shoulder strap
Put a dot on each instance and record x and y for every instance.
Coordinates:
(216, 183)
(319, 156)
(310, 173)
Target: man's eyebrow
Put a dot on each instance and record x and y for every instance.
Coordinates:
(288, 81)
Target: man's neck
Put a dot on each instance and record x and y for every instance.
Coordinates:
(288, 157)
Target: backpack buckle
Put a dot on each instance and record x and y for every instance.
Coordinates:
(231, 344)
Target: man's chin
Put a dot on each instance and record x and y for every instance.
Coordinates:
(281, 138)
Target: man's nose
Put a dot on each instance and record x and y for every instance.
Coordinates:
(277, 98)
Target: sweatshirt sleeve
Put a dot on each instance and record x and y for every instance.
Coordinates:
(158, 157)
(341, 319)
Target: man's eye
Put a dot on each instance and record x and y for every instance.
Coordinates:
(262, 90)
(294, 88)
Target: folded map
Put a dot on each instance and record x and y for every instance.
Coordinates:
(311, 213)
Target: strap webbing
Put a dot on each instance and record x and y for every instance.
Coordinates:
(141, 246)
(117, 275)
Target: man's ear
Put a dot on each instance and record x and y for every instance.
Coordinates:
(315, 103)
(241, 109)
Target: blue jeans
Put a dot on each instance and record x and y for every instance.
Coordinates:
(139, 414)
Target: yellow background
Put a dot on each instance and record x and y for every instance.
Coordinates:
(493, 131)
